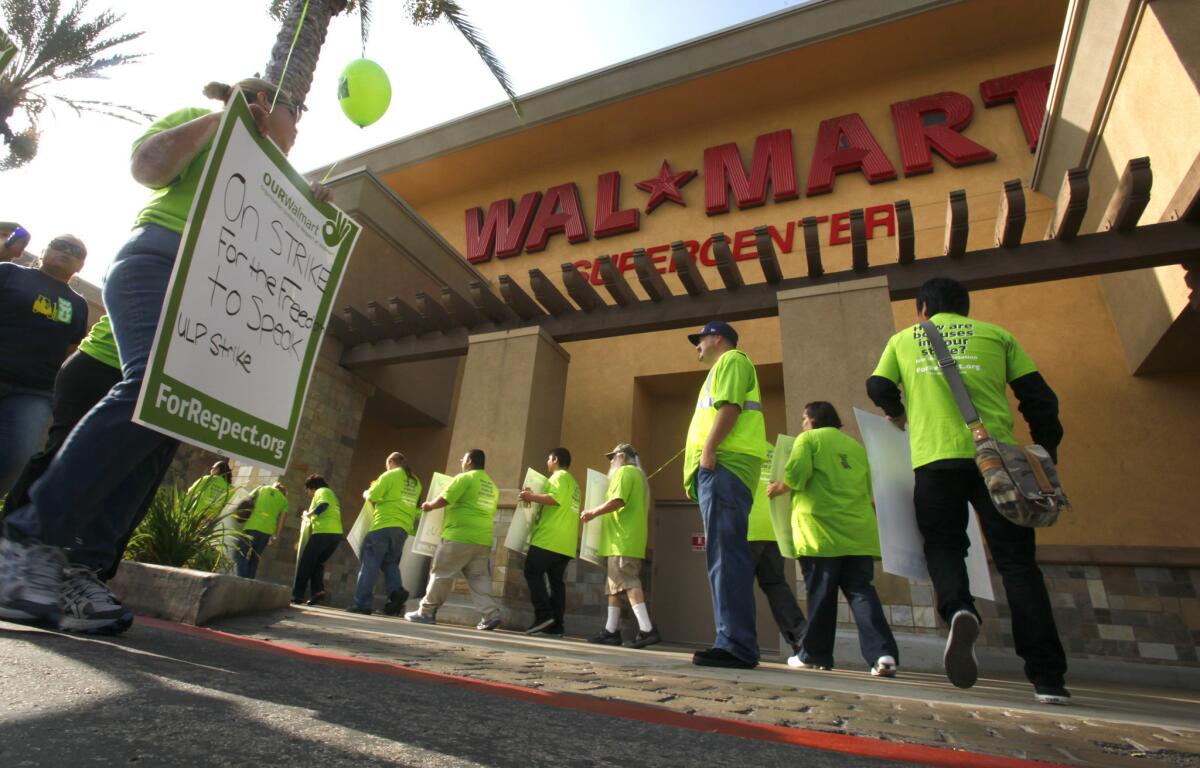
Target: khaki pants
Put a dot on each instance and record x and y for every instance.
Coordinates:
(473, 561)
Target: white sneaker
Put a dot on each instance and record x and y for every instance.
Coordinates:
(884, 667)
(416, 617)
(962, 668)
(30, 578)
(89, 606)
(796, 663)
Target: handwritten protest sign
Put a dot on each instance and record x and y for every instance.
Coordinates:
(520, 530)
(245, 312)
(781, 505)
(362, 526)
(8, 50)
(596, 490)
(429, 530)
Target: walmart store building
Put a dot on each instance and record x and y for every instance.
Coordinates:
(832, 114)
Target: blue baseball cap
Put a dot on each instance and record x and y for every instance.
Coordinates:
(717, 327)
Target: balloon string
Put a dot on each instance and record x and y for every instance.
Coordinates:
(667, 463)
(335, 162)
(288, 60)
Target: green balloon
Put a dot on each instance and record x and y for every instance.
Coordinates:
(364, 92)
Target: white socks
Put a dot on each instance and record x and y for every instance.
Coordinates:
(614, 619)
(643, 617)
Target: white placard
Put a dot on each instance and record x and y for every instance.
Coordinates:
(429, 531)
(589, 545)
(525, 515)
(361, 527)
(781, 505)
(892, 481)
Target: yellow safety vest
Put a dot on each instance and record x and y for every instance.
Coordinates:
(747, 435)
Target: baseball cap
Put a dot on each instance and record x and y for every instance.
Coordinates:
(624, 448)
(718, 327)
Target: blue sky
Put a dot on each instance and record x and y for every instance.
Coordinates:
(80, 183)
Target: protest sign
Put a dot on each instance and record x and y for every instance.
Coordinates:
(429, 530)
(525, 515)
(781, 505)
(596, 490)
(361, 526)
(892, 481)
(258, 266)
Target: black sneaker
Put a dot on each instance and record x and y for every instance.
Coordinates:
(317, 599)
(539, 626)
(1051, 694)
(719, 657)
(358, 609)
(642, 639)
(606, 638)
(395, 602)
(555, 630)
(962, 669)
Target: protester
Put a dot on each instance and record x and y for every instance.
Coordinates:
(466, 549)
(721, 465)
(41, 320)
(324, 519)
(90, 491)
(768, 563)
(394, 497)
(947, 478)
(623, 542)
(553, 544)
(210, 493)
(265, 511)
(837, 541)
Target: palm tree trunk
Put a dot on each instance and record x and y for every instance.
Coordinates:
(300, 69)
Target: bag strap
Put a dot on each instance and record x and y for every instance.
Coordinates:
(950, 370)
(1039, 472)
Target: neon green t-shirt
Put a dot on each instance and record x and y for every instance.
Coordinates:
(169, 206)
(100, 344)
(731, 380)
(832, 514)
(269, 504)
(988, 357)
(394, 494)
(624, 532)
(557, 528)
(211, 493)
(471, 499)
(760, 528)
(330, 520)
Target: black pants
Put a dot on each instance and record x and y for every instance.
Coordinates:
(81, 382)
(249, 552)
(542, 565)
(311, 571)
(824, 577)
(941, 497)
(769, 573)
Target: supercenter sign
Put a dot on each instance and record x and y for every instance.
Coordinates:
(845, 144)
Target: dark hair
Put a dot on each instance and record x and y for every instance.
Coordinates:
(823, 414)
(222, 469)
(398, 459)
(315, 482)
(941, 294)
(563, 456)
(477, 458)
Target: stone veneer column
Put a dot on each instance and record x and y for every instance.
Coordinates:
(510, 404)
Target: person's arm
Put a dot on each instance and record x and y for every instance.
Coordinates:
(437, 503)
(161, 158)
(607, 508)
(1039, 406)
(885, 393)
(545, 499)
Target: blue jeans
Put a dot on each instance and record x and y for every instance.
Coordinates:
(24, 414)
(852, 574)
(104, 473)
(381, 551)
(249, 552)
(725, 506)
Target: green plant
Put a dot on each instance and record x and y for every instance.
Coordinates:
(182, 530)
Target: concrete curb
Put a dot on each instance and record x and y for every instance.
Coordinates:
(192, 597)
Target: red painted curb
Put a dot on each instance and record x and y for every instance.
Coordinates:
(861, 746)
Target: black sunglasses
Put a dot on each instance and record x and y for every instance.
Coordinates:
(67, 247)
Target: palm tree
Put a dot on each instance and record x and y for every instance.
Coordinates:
(55, 46)
(316, 15)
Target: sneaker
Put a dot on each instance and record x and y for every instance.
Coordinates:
(962, 668)
(89, 606)
(796, 662)
(30, 581)
(606, 638)
(556, 630)
(719, 657)
(642, 639)
(1051, 694)
(416, 617)
(539, 626)
(317, 598)
(358, 609)
(884, 667)
(487, 625)
(395, 602)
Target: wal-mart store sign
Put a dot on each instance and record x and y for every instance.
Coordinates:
(260, 262)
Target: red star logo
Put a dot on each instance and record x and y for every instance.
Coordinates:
(665, 186)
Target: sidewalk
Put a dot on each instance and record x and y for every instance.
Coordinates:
(1111, 724)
